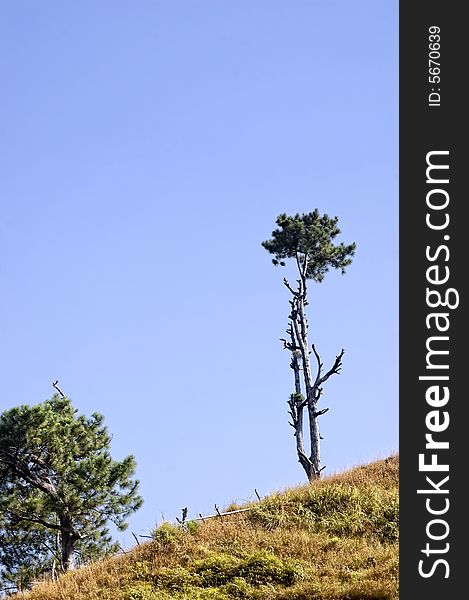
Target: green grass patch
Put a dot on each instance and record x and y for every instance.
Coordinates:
(219, 569)
(339, 510)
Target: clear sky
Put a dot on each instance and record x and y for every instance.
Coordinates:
(146, 148)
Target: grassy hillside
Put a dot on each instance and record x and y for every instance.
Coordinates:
(335, 539)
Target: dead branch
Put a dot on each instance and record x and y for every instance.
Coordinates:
(136, 538)
(320, 364)
(288, 345)
(318, 413)
(55, 385)
(223, 514)
(335, 369)
(289, 288)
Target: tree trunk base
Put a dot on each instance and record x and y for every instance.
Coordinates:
(313, 472)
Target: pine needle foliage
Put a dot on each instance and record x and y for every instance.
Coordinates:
(59, 489)
(311, 235)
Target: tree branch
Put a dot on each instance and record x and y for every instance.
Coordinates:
(318, 413)
(320, 365)
(302, 270)
(288, 286)
(18, 517)
(293, 412)
(22, 470)
(335, 369)
(289, 345)
(304, 461)
(305, 268)
(55, 385)
(51, 550)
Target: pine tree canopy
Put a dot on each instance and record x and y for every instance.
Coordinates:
(59, 486)
(308, 238)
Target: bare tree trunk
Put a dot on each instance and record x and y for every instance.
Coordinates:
(297, 401)
(315, 457)
(68, 539)
(301, 361)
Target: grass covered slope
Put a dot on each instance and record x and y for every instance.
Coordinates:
(334, 539)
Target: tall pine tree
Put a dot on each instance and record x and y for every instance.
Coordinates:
(307, 239)
(59, 487)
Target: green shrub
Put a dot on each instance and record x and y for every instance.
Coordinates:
(167, 534)
(140, 570)
(192, 527)
(175, 579)
(140, 591)
(239, 588)
(262, 568)
(256, 569)
(216, 569)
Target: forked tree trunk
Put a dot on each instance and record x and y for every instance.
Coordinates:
(298, 344)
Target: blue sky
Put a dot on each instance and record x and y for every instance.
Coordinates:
(146, 149)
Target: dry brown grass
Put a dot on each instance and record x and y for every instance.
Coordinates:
(286, 549)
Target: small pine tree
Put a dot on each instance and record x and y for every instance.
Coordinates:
(308, 240)
(59, 487)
